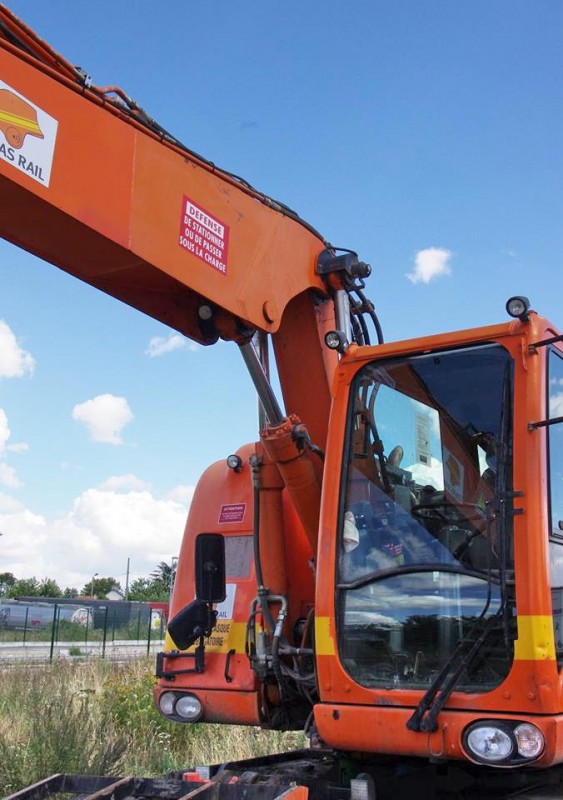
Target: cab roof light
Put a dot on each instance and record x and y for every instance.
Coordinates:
(234, 462)
(518, 307)
(336, 340)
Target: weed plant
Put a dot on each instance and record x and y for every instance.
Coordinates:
(98, 718)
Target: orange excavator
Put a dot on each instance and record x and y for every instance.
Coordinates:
(383, 566)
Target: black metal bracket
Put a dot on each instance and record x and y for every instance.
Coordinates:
(503, 503)
(170, 674)
(534, 346)
(532, 426)
(230, 654)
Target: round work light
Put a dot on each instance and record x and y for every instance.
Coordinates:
(189, 707)
(529, 740)
(490, 743)
(166, 703)
(518, 307)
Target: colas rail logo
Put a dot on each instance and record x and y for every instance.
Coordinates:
(27, 135)
(17, 119)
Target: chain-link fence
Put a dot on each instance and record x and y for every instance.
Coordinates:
(110, 629)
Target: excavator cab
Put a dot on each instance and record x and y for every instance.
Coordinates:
(445, 588)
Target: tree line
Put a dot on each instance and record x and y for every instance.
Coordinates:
(156, 587)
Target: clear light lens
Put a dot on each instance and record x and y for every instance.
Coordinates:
(189, 707)
(332, 340)
(234, 462)
(489, 743)
(518, 306)
(205, 312)
(166, 703)
(529, 739)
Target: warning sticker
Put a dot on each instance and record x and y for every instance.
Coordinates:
(232, 512)
(204, 236)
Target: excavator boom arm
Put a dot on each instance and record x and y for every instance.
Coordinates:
(92, 184)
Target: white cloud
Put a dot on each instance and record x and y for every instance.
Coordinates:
(159, 345)
(433, 262)
(181, 494)
(18, 447)
(103, 529)
(104, 416)
(556, 405)
(9, 505)
(8, 477)
(68, 466)
(117, 483)
(4, 431)
(14, 362)
(431, 475)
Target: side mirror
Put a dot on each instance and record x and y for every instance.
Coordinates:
(210, 585)
(193, 621)
(198, 618)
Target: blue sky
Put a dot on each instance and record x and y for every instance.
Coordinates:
(425, 135)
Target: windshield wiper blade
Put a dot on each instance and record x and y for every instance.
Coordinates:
(425, 716)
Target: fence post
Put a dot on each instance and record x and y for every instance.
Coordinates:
(87, 621)
(53, 632)
(25, 624)
(105, 633)
(149, 633)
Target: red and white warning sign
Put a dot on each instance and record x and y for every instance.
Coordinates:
(232, 512)
(204, 236)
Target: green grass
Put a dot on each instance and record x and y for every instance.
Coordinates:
(98, 718)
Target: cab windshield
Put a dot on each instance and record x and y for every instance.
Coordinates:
(425, 557)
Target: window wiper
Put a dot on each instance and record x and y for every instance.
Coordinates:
(425, 716)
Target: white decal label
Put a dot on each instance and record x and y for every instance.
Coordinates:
(225, 609)
(27, 135)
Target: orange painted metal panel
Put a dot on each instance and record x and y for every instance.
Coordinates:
(383, 730)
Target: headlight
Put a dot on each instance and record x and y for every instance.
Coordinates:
(180, 707)
(189, 708)
(529, 739)
(503, 743)
(166, 703)
(490, 743)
